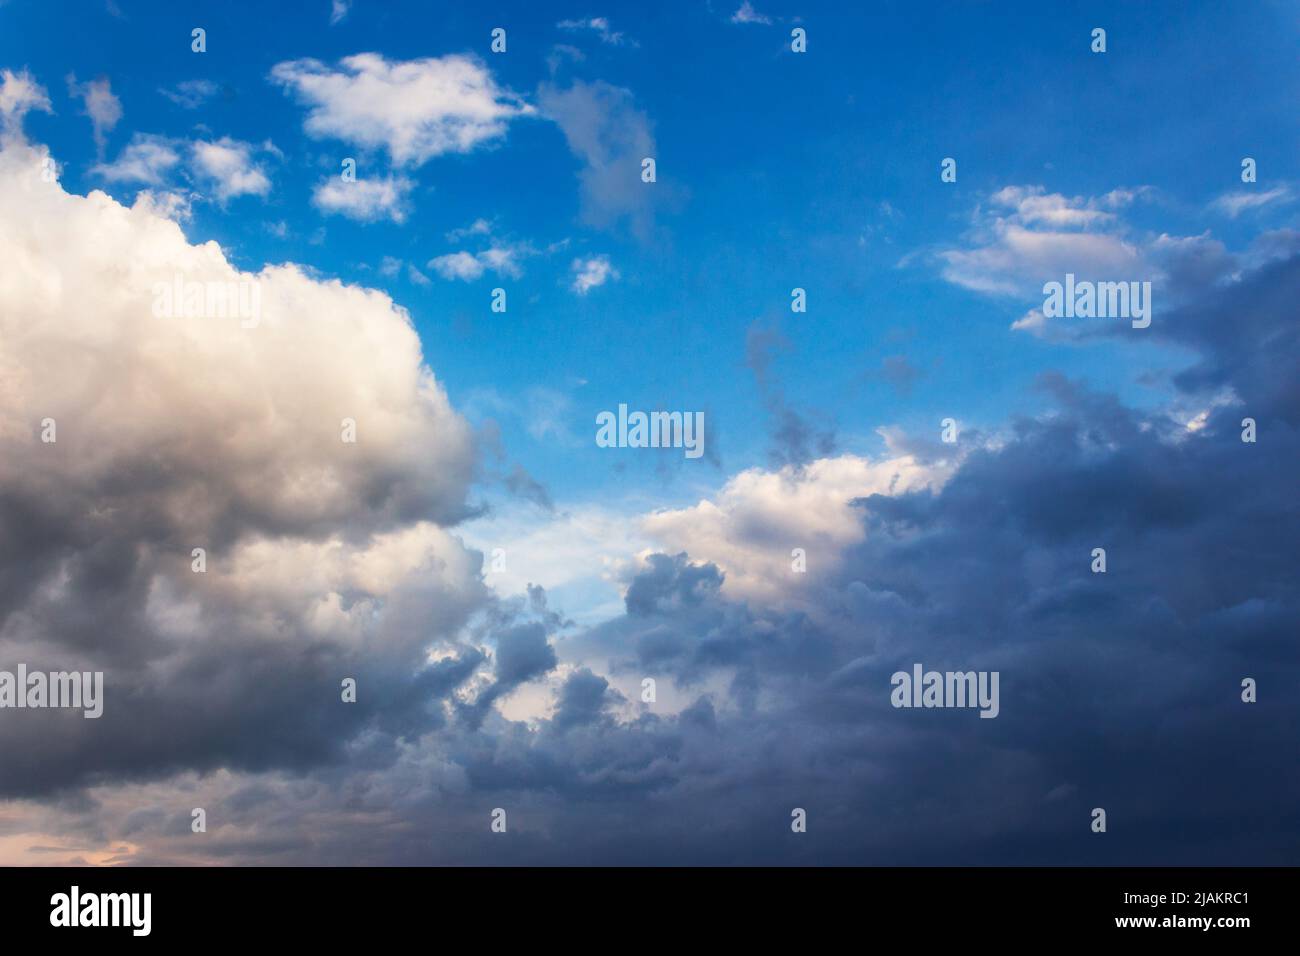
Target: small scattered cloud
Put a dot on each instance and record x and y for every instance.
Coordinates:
(591, 273)
(520, 483)
(561, 54)
(797, 437)
(365, 200)
(1033, 205)
(101, 105)
(747, 14)
(458, 265)
(611, 136)
(600, 26)
(468, 266)
(19, 95)
(504, 259)
(1032, 321)
(479, 227)
(190, 94)
(1024, 236)
(339, 10)
(146, 159)
(228, 169)
(222, 169)
(1234, 204)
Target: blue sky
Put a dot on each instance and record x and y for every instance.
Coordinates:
(520, 685)
(775, 171)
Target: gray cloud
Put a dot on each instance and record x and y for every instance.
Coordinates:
(610, 136)
(795, 439)
(1118, 690)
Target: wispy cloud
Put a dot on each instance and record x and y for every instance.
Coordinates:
(103, 108)
(611, 136)
(190, 94)
(598, 25)
(591, 273)
(146, 159)
(1233, 204)
(747, 14)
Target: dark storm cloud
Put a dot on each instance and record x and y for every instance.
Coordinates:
(1247, 337)
(671, 582)
(522, 654)
(582, 700)
(1119, 690)
(520, 631)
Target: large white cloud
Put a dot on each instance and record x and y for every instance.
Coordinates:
(248, 415)
(181, 425)
(219, 430)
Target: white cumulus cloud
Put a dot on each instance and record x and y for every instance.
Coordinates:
(468, 266)
(228, 167)
(414, 109)
(365, 200)
(591, 273)
(146, 159)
